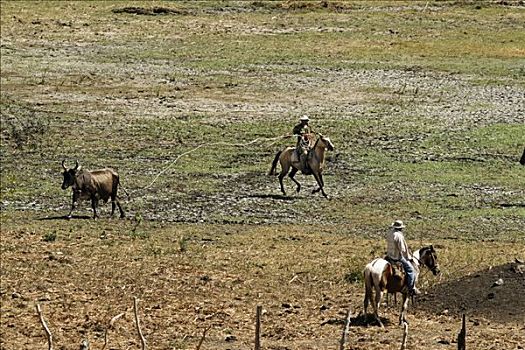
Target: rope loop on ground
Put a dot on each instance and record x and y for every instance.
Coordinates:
(220, 143)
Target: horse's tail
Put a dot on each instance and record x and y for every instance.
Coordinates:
(388, 272)
(367, 275)
(274, 163)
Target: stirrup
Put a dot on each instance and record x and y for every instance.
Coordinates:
(414, 292)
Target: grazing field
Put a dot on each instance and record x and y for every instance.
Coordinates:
(190, 102)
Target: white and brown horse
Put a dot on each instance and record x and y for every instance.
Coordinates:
(316, 157)
(379, 277)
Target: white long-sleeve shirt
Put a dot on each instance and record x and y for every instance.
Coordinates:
(396, 245)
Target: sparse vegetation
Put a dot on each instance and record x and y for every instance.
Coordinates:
(49, 237)
(20, 125)
(422, 100)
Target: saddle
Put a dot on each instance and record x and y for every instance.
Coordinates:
(297, 159)
(397, 268)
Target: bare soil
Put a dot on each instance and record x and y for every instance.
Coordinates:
(213, 237)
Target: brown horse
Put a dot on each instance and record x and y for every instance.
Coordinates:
(379, 277)
(289, 160)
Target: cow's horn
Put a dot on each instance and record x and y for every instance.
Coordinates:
(63, 166)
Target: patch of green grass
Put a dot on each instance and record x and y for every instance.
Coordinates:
(240, 75)
(50, 237)
(498, 138)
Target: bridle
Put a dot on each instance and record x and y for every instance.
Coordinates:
(434, 265)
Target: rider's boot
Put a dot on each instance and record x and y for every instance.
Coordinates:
(306, 167)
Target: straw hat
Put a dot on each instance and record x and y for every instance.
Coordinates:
(304, 118)
(398, 224)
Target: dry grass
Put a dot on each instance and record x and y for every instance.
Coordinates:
(190, 277)
(427, 126)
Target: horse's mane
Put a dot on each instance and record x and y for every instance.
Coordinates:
(425, 249)
(317, 140)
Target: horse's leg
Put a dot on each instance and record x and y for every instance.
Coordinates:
(368, 298)
(284, 170)
(402, 317)
(315, 190)
(393, 297)
(319, 180)
(291, 176)
(379, 295)
(368, 291)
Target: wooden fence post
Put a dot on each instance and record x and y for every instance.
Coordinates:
(258, 327)
(344, 336)
(46, 328)
(405, 336)
(137, 322)
(462, 335)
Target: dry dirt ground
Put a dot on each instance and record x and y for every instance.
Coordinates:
(192, 278)
(202, 249)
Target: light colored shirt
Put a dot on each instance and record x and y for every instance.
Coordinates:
(396, 245)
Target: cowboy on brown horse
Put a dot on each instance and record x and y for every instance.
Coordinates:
(290, 163)
(398, 252)
(303, 132)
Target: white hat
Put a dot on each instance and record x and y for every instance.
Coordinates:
(304, 118)
(398, 224)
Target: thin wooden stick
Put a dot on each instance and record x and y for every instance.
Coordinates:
(426, 5)
(462, 335)
(110, 326)
(202, 338)
(137, 322)
(405, 336)
(46, 328)
(258, 327)
(344, 336)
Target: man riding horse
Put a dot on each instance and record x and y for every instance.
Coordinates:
(302, 130)
(397, 251)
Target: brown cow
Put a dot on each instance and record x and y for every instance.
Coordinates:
(94, 185)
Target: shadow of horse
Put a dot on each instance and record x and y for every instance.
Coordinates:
(64, 217)
(272, 196)
(365, 320)
(361, 320)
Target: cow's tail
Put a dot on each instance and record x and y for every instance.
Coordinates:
(274, 163)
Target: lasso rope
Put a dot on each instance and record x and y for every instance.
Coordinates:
(221, 143)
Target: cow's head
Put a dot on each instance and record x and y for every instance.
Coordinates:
(69, 175)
